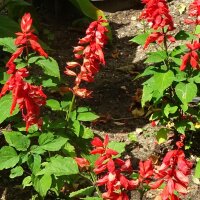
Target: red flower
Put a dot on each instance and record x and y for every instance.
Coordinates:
(82, 162)
(92, 56)
(29, 98)
(174, 172)
(192, 57)
(26, 39)
(146, 171)
(194, 11)
(157, 14)
(110, 171)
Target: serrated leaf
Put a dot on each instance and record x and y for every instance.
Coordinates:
(49, 142)
(140, 39)
(197, 170)
(8, 157)
(156, 57)
(60, 166)
(42, 184)
(87, 133)
(5, 105)
(87, 116)
(161, 135)
(50, 66)
(186, 91)
(163, 80)
(82, 192)
(17, 171)
(117, 146)
(16, 139)
(8, 44)
(53, 104)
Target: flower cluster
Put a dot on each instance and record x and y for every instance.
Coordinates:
(156, 12)
(29, 97)
(192, 56)
(174, 172)
(92, 56)
(194, 12)
(111, 171)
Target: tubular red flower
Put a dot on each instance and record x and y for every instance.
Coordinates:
(157, 14)
(92, 56)
(191, 57)
(194, 13)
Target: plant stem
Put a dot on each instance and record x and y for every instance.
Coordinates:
(97, 188)
(70, 108)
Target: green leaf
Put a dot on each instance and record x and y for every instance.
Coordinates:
(42, 184)
(132, 137)
(76, 126)
(170, 109)
(178, 50)
(147, 92)
(17, 171)
(48, 83)
(69, 150)
(8, 44)
(50, 142)
(186, 91)
(161, 135)
(5, 105)
(163, 80)
(87, 116)
(8, 157)
(53, 104)
(16, 139)
(180, 127)
(183, 35)
(140, 39)
(8, 27)
(27, 182)
(92, 12)
(156, 57)
(117, 146)
(50, 66)
(197, 170)
(87, 133)
(60, 166)
(178, 61)
(34, 163)
(197, 29)
(148, 71)
(82, 192)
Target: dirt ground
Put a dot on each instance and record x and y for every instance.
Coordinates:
(114, 89)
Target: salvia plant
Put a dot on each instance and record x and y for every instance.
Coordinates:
(50, 147)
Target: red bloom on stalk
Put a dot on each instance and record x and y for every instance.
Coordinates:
(26, 39)
(157, 14)
(28, 97)
(174, 173)
(146, 171)
(192, 56)
(111, 170)
(92, 56)
(194, 12)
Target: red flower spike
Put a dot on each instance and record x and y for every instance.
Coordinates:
(91, 53)
(194, 13)
(26, 23)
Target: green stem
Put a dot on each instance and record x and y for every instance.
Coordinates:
(70, 108)
(97, 188)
